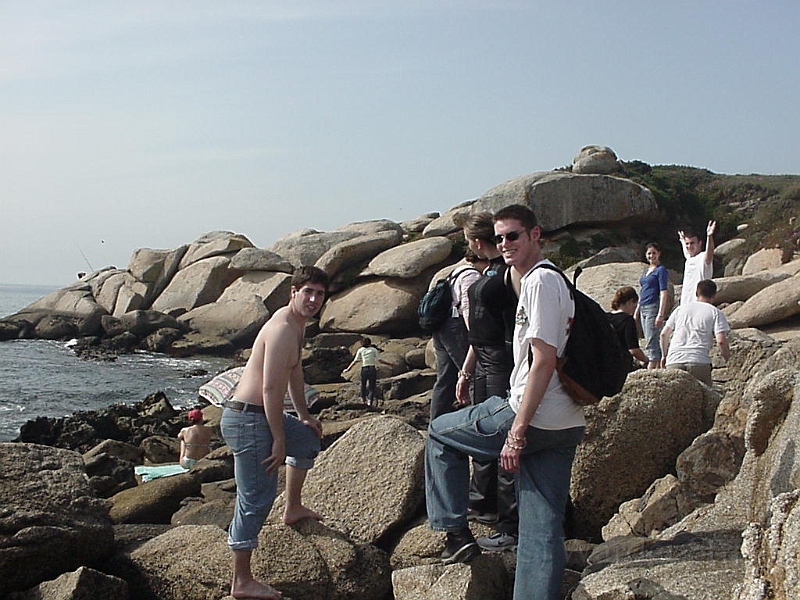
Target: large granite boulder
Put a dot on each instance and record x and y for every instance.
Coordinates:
(237, 321)
(155, 501)
(306, 246)
(132, 294)
(763, 260)
(354, 252)
(656, 416)
(156, 268)
(68, 312)
(142, 323)
(446, 224)
(214, 243)
(84, 583)
(199, 283)
(367, 489)
(272, 287)
(595, 160)
(50, 520)
(742, 287)
(706, 555)
(379, 306)
(485, 578)
(258, 259)
(774, 303)
(307, 560)
(410, 260)
(560, 199)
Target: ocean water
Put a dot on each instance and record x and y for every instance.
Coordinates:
(45, 378)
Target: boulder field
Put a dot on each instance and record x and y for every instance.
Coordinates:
(679, 490)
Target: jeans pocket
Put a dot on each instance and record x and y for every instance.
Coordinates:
(495, 422)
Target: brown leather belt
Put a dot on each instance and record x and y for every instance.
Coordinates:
(244, 406)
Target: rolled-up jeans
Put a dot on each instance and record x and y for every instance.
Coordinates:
(250, 439)
(543, 486)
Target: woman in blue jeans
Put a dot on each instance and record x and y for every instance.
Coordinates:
(653, 303)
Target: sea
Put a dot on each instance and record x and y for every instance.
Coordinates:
(43, 378)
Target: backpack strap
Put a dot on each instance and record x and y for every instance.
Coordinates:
(458, 272)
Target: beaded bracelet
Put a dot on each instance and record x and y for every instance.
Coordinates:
(465, 375)
(518, 439)
(514, 446)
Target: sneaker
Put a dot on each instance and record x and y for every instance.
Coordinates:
(497, 542)
(485, 518)
(460, 547)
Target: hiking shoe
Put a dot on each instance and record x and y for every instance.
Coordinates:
(485, 518)
(497, 542)
(460, 547)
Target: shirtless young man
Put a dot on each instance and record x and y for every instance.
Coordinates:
(263, 437)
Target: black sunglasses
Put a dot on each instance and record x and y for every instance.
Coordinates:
(511, 236)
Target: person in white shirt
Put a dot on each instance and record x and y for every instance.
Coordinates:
(699, 264)
(535, 431)
(690, 333)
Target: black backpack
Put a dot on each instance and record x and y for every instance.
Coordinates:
(594, 364)
(434, 308)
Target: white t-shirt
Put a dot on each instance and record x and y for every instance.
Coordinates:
(368, 355)
(695, 327)
(544, 311)
(694, 272)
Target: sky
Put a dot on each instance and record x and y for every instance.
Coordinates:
(126, 125)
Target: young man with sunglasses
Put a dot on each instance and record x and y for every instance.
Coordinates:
(534, 432)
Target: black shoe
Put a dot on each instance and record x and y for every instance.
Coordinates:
(460, 547)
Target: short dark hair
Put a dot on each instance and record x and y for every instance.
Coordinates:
(691, 232)
(706, 288)
(654, 246)
(624, 295)
(366, 342)
(308, 274)
(519, 212)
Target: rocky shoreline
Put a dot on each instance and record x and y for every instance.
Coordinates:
(679, 490)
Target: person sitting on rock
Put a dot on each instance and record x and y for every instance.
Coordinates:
(195, 440)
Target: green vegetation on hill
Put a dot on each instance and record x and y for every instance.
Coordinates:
(767, 204)
(690, 197)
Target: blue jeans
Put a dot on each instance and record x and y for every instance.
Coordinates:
(450, 345)
(542, 485)
(250, 439)
(652, 334)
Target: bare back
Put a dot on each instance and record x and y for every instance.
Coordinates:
(196, 440)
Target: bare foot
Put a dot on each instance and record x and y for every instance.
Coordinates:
(303, 512)
(255, 589)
